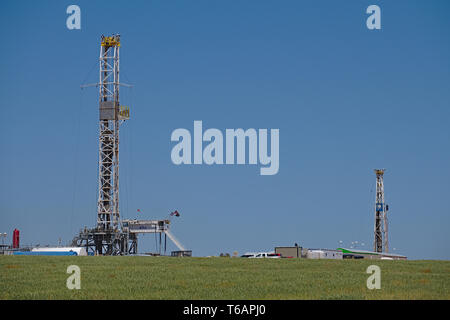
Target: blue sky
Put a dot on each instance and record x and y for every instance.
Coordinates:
(346, 100)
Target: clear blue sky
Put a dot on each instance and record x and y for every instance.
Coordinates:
(346, 100)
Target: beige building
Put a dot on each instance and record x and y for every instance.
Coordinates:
(291, 252)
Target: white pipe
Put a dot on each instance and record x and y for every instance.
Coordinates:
(175, 241)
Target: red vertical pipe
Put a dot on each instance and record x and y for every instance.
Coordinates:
(16, 238)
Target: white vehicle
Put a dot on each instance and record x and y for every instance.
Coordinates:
(268, 255)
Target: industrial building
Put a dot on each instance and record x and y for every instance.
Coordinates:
(291, 252)
(299, 252)
(324, 254)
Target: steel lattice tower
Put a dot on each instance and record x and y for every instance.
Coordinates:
(112, 235)
(381, 243)
(108, 216)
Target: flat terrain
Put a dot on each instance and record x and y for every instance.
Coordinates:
(31, 277)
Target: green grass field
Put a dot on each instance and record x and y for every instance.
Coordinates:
(25, 277)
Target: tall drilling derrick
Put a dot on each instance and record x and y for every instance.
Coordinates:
(108, 171)
(108, 237)
(381, 243)
(112, 235)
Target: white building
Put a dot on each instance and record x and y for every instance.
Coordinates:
(324, 254)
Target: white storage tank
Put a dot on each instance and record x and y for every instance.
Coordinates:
(76, 251)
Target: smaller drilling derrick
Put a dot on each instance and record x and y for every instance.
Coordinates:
(381, 243)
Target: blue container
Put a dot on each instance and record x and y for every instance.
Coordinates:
(45, 253)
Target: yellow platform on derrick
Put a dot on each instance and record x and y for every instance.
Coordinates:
(111, 41)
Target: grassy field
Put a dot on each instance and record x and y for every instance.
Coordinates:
(25, 277)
